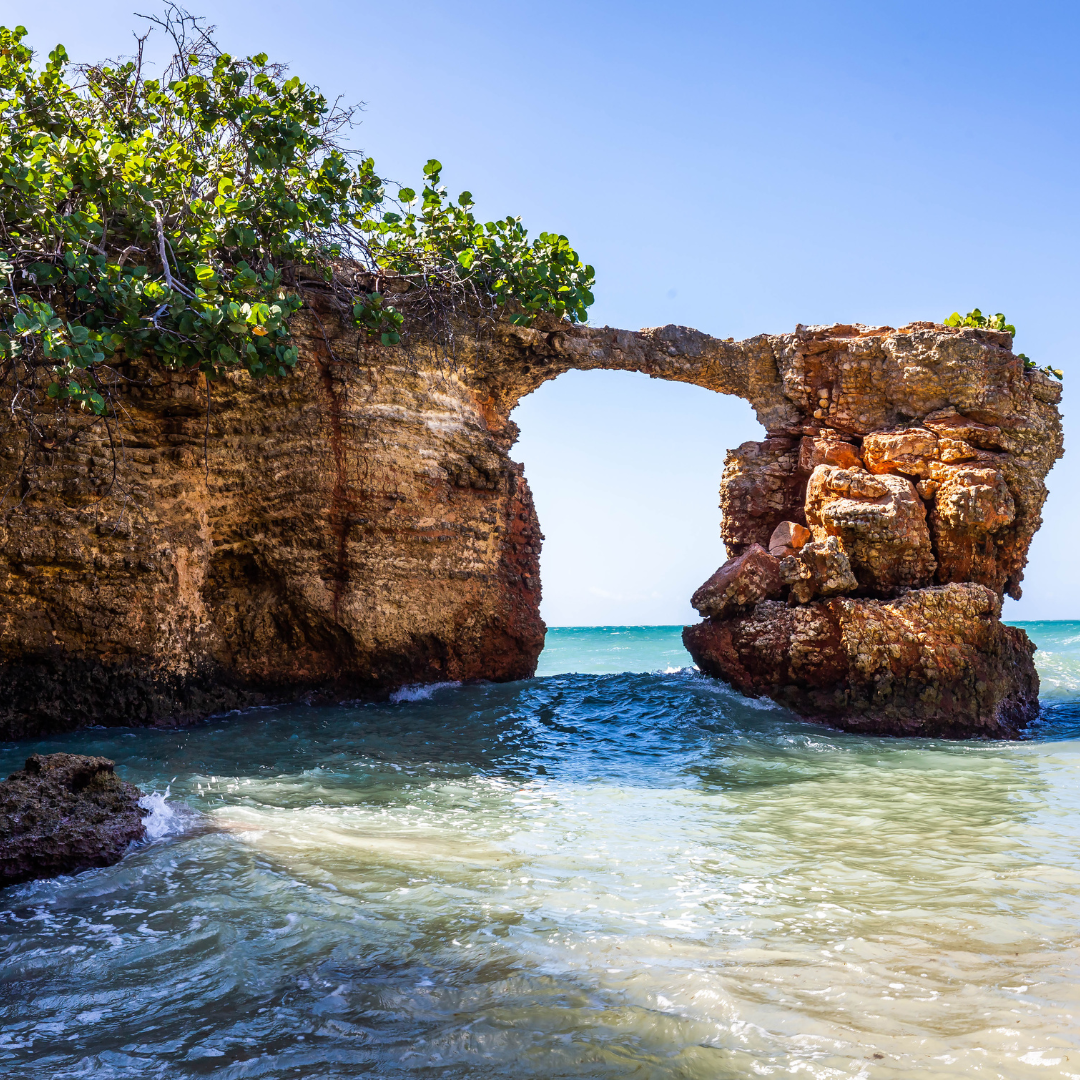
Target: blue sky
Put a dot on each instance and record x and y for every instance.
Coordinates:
(739, 168)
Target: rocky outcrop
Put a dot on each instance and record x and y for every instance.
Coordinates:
(919, 471)
(934, 662)
(360, 524)
(63, 813)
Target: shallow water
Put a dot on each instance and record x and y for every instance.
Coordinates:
(589, 875)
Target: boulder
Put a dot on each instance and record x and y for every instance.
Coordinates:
(787, 538)
(827, 450)
(933, 662)
(819, 568)
(63, 813)
(880, 522)
(752, 576)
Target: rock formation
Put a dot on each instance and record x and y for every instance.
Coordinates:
(62, 813)
(918, 469)
(360, 524)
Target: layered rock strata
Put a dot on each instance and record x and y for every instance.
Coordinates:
(63, 813)
(360, 524)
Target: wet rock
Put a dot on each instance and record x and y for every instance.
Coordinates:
(63, 813)
(880, 522)
(933, 662)
(752, 576)
(819, 568)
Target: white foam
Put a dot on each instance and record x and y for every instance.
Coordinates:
(163, 819)
(419, 691)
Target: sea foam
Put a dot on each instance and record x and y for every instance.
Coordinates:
(164, 819)
(419, 691)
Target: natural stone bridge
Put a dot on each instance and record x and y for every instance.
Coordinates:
(360, 525)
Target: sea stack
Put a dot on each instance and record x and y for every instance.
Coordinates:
(896, 514)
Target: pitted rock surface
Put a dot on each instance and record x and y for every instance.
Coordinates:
(361, 525)
(752, 576)
(880, 522)
(933, 662)
(63, 813)
(818, 568)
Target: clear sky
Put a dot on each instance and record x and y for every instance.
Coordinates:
(736, 167)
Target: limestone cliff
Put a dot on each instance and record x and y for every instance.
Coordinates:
(360, 524)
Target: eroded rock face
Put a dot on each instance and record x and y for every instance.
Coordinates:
(360, 524)
(818, 568)
(935, 662)
(914, 472)
(63, 813)
(880, 522)
(747, 578)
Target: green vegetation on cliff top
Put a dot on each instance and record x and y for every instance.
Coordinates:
(186, 218)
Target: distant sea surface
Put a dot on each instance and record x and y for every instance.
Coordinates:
(617, 869)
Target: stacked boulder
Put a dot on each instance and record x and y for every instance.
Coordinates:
(875, 604)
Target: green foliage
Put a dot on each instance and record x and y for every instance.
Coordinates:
(185, 217)
(985, 322)
(997, 322)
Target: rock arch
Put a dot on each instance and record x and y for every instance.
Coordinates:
(362, 525)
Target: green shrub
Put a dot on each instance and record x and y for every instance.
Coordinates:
(185, 218)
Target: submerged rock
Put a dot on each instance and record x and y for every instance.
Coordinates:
(62, 813)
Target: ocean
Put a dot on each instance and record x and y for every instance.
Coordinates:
(617, 869)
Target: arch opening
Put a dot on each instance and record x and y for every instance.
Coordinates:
(625, 473)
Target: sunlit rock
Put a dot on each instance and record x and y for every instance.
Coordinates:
(360, 524)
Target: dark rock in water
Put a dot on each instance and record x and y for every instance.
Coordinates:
(933, 662)
(62, 813)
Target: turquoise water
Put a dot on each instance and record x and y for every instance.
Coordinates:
(594, 873)
(608, 650)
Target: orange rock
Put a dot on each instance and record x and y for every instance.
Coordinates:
(752, 576)
(910, 452)
(787, 538)
(880, 522)
(973, 509)
(825, 450)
